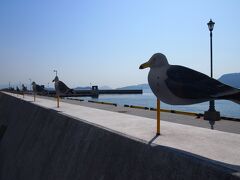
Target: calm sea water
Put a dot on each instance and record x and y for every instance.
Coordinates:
(226, 108)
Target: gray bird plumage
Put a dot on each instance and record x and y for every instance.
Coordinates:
(60, 87)
(179, 85)
(38, 88)
(24, 88)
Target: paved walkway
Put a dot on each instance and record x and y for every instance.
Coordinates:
(223, 125)
(221, 147)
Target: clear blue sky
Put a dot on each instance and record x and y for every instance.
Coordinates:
(104, 41)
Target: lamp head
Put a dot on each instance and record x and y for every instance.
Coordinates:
(210, 25)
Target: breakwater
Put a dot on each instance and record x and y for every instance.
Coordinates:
(38, 143)
(82, 93)
(96, 93)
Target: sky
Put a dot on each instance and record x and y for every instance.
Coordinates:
(103, 42)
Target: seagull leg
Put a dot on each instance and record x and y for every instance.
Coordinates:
(58, 101)
(158, 117)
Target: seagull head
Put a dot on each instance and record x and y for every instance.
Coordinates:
(157, 60)
(55, 79)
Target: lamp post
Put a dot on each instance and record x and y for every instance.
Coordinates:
(212, 115)
(57, 95)
(55, 72)
(210, 27)
(30, 83)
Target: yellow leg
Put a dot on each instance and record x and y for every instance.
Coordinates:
(158, 117)
(58, 101)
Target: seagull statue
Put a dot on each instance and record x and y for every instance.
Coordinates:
(61, 88)
(24, 88)
(37, 88)
(179, 85)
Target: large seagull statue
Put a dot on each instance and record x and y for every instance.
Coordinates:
(179, 85)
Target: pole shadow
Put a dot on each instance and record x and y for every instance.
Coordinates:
(153, 139)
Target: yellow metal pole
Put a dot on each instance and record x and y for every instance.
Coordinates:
(58, 101)
(158, 117)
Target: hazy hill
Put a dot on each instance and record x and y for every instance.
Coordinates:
(144, 87)
(232, 79)
(139, 86)
(83, 88)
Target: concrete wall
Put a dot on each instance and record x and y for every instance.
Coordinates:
(42, 144)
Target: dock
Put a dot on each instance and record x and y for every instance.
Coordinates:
(95, 93)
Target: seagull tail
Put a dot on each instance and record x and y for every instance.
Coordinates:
(71, 91)
(233, 97)
(238, 102)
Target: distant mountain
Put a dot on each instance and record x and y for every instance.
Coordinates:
(232, 79)
(83, 88)
(144, 87)
(139, 86)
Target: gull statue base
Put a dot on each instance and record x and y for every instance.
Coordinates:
(212, 115)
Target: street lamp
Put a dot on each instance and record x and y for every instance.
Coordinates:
(30, 80)
(212, 115)
(55, 72)
(210, 27)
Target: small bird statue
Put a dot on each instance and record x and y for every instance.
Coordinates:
(61, 88)
(37, 88)
(24, 88)
(179, 85)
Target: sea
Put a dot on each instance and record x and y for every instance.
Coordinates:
(147, 99)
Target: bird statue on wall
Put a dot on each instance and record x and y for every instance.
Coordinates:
(179, 85)
(24, 88)
(38, 88)
(61, 88)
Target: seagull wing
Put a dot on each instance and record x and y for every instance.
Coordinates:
(62, 87)
(39, 88)
(34, 88)
(187, 83)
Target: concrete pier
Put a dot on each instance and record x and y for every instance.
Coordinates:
(96, 93)
(42, 141)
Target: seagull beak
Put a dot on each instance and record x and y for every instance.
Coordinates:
(53, 80)
(144, 65)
